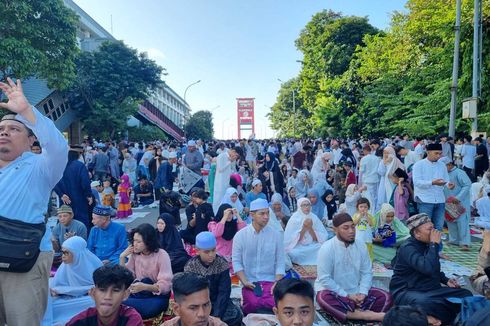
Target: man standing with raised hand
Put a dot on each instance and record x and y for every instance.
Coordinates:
(24, 281)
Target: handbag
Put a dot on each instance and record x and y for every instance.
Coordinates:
(453, 209)
(19, 244)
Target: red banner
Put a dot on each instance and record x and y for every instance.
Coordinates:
(245, 115)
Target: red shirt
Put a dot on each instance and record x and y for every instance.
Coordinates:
(127, 316)
(351, 178)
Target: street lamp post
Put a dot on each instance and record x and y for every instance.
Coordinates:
(223, 127)
(194, 83)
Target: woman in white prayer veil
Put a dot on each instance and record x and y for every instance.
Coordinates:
(386, 168)
(74, 277)
(304, 235)
(320, 165)
(279, 213)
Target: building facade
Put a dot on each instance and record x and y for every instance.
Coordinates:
(167, 101)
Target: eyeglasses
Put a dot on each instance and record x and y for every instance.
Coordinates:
(65, 252)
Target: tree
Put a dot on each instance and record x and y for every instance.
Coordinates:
(146, 133)
(200, 126)
(110, 83)
(286, 117)
(38, 39)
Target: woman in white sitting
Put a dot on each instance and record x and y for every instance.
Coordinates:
(74, 277)
(304, 235)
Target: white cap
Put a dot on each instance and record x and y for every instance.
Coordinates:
(259, 203)
(172, 155)
(191, 143)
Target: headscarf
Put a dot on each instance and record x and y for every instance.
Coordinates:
(385, 210)
(76, 278)
(301, 188)
(319, 168)
(270, 164)
(319, 207)
(231, 227)
(401, 229)
(125, 181)
(277, 198)
(351, 189)
(295, 224)
(293, 205)
(227, 199)
(331, 205)
(395, 162)
(349, 156)
(170, 239)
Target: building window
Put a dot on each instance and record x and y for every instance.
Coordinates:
(54, 116)
(63, 107)
(46, 108)
(50, 103)
(58, 112)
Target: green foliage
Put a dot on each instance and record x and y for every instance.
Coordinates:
(200, 126)
(110, 83)
(356, 81)
(38, 38)
(146, 133)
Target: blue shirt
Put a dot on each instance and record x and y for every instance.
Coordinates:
(108, 243)
(251, 196)
(28, 180)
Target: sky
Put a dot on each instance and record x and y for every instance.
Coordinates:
(236, 48)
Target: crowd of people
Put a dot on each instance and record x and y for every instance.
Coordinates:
(255, 211)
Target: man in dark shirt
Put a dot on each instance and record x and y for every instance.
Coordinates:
(111, 289)
(481, 159)
(143, 192)
(417, 277)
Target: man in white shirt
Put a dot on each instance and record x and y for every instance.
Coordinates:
(468, 153)
(258, 259)
(420, 148)
(368, 172)
(345, 277)
(409, 157)
(429, 178)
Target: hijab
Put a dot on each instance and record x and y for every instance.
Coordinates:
(76, 278)
(295, 224)
(269, 165)
(293, 205)
(349, 156)
(330, 205)
(401, 229)
(170, 239)
(395, 163)
(125, 181)
(319, 207)
(351, 189)
(231, 227)
(227, 199)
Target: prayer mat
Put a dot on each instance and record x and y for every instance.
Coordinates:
(130, 218)
(466, 258)
(379, 270)
(307, 272)
(332, 321)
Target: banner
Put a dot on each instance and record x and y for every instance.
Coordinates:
(188, 179)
